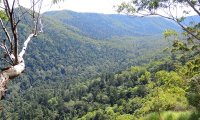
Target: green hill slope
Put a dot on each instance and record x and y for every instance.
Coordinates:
(101, 26)
(65, 55)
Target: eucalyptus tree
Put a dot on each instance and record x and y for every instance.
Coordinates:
(11, 15)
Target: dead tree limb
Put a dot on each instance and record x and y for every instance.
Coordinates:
(16, 57)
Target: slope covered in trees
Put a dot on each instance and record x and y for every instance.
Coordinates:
(102, 26)
(75, 75)
(70, 55)
(159, 86)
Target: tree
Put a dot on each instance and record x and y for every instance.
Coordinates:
(194, 92)
(12, 13)
(170, 9)
(177, 11)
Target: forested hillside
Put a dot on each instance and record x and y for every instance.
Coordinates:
(102, 26)
(102, 67)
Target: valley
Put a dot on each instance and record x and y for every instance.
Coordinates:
(92, 66)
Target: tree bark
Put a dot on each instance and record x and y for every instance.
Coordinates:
(8, 74)
(12, 72)
(18, 65)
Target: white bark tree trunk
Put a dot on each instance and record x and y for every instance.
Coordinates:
(11, 72)
(16, 59)
(8, 74)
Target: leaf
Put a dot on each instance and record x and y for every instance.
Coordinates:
(181, 19)
(169, 33)
(3, 15)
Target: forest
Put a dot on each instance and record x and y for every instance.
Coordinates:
(91, 66)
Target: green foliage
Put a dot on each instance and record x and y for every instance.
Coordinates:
(130, 9)
(164, 78)
(74, 77)
(107, 27)
(181, 19)
(169, 115)
(194, 92)
(170, 33)
(153, 4)
(3, 15)
(190, 27)
(129, 94)
(53, 101)
(126, 117)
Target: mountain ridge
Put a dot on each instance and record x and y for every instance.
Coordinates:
(64, 56)
(104, 26)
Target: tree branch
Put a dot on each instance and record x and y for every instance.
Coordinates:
(39, 21)
(8, 35)
(25, 45)
(13, 6)
(29, 8)
(10, 14)
(193, 7)
(3, 45)
(175, 20)
(9, 73)
(7, 8)
(18, 65)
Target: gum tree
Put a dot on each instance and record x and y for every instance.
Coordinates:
(11, 44)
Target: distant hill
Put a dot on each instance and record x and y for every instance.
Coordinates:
(81, 67)
(65, 53)
(76, 47)
(103, 26)
(190, 20)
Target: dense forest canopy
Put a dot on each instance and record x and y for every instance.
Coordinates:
(87, 66)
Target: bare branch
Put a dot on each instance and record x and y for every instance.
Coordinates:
(8, 35)
(13, 5)
(27, 11)
(193, 7)
(36, 22)
(7, 7)
(3, 45)
(13, 29)
(9, 73)
(25, 45)
(7, 52)
(17, 65)
(39, 21)
(41, 25)
(182, 26)
(185, 29)
(17, 22)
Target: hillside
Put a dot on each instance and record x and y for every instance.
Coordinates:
(68, 54)
(102, 26)
(191, 20)
(80, 57)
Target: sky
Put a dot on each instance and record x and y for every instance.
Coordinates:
(94, 6)
(91, 6)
